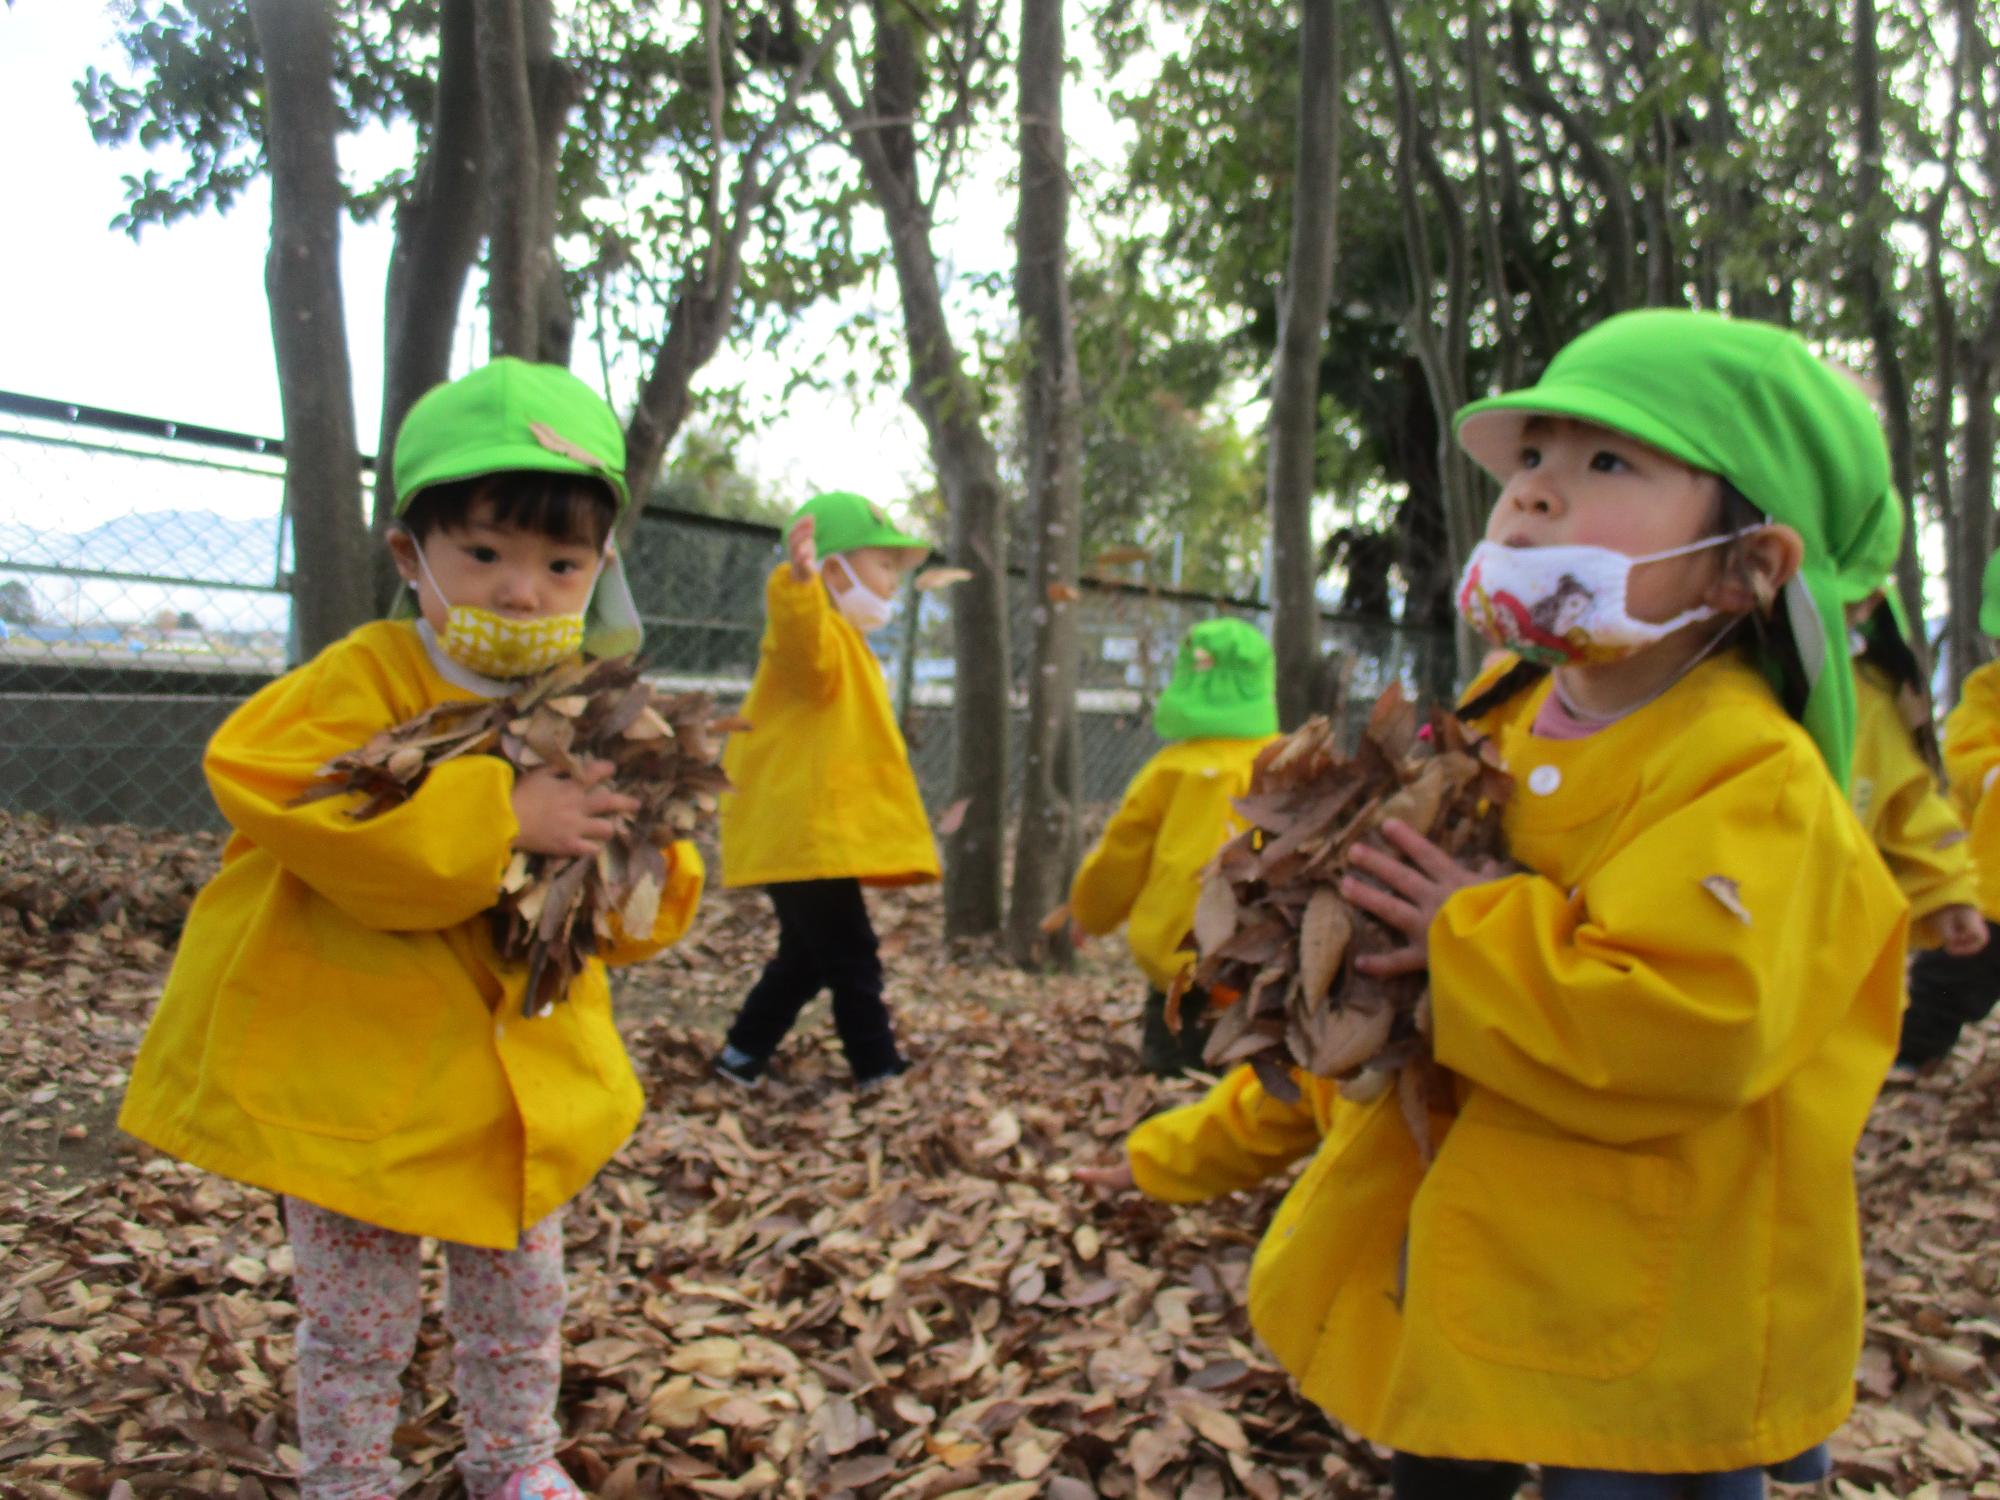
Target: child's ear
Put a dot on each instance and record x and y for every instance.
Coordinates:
(1755, 569)
(403, 552)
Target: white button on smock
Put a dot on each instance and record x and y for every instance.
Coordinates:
(1544, 780)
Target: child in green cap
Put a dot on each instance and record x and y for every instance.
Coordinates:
(1634, 1257)
(1219, 710)
(337, 1027)
(1952, 990)
(825, 801)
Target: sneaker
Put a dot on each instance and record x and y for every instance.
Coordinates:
(547, 1480)
(874, 1083)
(740, 1068)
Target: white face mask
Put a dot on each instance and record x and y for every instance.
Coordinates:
(1562, 606)
(862, 607)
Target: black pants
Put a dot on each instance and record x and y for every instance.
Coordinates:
(825, 941)
(1413, 1478)
(1162, 1052)
(1946, 995)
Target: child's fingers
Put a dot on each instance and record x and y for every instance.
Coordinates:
(604, 800)
(590, 772)
(1118, 1178)
(1421, 852)
(1392, 963)
(1392, 872)
(1390, 908)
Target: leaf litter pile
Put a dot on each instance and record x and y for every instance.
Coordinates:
(801, 1293)
(555, 910)
(1276, 938)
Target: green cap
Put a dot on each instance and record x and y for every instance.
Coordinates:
(843, 520)
(1225, 685)
(512, 416)
(1750, 402)
(508, 416)
(1989, 597)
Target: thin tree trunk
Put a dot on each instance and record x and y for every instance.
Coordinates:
(330, 594)
(552, 93)
(706, 302)
(1511, 364)
(968, 472)
(1045, 848)
(1294, 432)
(516, 242)
(436, 242)
(1873, 289)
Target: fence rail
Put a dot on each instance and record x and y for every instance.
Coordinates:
(145, 592)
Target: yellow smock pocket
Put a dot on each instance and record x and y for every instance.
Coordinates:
(1552, 1255)
(340, 1024)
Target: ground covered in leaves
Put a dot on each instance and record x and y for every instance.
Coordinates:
(798, 1292)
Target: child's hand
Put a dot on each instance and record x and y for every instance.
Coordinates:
(1115, 1179)
(799, 547)
(561, 814)
(1960, 929)
(1077, 936)
(1412, 890)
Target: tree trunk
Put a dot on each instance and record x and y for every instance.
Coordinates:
(1294, 434)
(552, 92)
(436, 242)
(1873, 289)
(1441, 351)
(330, 592)
(1045, 848)
(968, 472)
(520, 225)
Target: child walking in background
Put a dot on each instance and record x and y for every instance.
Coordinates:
(337, 1026)
(1895, 788)
(1219, 710)
(1635, 1257)
(825, 801)
(1952, 989)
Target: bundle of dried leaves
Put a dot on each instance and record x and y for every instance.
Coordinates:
(1277, 940)
(554, 910)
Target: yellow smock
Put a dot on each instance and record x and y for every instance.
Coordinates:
(1898, 800)
(824, 789)
(1637, 1248)
(1971, 757)
(337, 1025)
(1145, 868)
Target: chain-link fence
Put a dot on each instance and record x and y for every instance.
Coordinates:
(144, 571)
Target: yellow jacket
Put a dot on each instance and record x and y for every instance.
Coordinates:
(1971, 756)
(337, 1025)
(1145, 869)
(1637, 1248)
(1897, 798)
(824, 787)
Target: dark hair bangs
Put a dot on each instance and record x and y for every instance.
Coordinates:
(562, 507)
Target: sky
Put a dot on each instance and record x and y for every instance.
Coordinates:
(175, 324)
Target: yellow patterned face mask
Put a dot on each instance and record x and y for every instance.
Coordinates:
(497, 645)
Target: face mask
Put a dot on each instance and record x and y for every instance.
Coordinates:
(497, 645)
(862, 607)
(1563, 606)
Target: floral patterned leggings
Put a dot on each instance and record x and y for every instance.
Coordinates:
(359, 1305)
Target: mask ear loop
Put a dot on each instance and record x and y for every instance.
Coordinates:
(424, 567)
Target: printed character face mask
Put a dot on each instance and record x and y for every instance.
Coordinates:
(860, 605)
(497, 645)
(1565, 605)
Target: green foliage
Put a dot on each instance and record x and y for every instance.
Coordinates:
(1164, 461)
(704, 477)
(638, 164)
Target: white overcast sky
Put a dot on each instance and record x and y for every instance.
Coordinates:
(175, 324)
